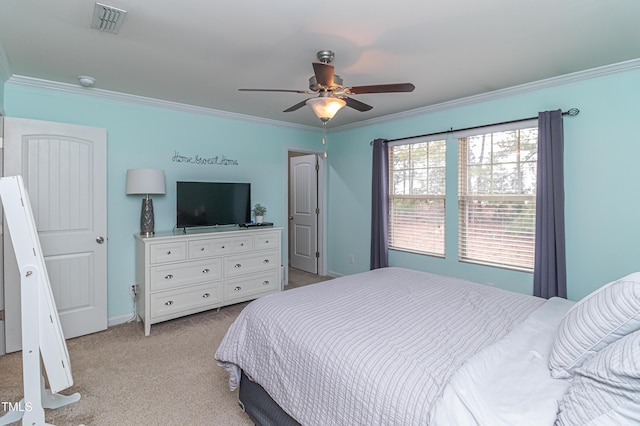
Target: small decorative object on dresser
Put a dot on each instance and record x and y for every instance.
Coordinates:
(258, 212)
(179, 275)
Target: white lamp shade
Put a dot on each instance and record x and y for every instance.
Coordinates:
(325, 107)
(145, 181)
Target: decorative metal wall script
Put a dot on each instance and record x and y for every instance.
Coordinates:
(205, 161)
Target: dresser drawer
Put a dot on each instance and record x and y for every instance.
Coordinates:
(167, 252)
(252, 285)
(219, 246)
(254, 262)
(187, 299)
(180, 274)
(267, 241)
(165, 277)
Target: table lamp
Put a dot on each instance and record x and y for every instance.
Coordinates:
(146, 181)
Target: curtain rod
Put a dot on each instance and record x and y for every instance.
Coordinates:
(571, 112)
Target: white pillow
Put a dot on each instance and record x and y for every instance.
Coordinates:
(606, 389)
(604, 316)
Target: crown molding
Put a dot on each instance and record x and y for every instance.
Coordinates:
(470, 100)
(503, 93)
(158, 103)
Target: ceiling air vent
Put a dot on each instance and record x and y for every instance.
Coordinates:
(107, 18)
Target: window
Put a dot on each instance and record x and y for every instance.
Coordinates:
(496, 198)
(417, 197)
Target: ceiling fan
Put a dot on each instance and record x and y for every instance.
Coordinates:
(332, 95)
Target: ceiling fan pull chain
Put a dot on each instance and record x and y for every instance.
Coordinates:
(324, 137)
(324, 132)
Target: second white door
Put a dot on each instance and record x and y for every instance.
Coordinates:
(303, 201)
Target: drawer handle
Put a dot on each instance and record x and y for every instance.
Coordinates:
(169, 302)
(206, 271)
(168, 251)
(241, 244)
(206, 295)
(168, 277)
(237, 288)
(238, 265)
(201, 248)
(265, 261)
(267, 242)
(265, 282)
(222, 246)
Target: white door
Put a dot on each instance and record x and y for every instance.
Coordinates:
(303, 201)
(64, 169)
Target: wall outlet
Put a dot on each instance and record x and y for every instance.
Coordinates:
(132, 290)
(352, 259)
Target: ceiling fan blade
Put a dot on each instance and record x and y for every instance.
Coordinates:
(296, 106)
(275, 90)
(352, 103)
(382, 88)
(324, 73)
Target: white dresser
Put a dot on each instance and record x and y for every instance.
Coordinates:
(181, 274)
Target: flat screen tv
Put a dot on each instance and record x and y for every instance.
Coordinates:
(212, 203)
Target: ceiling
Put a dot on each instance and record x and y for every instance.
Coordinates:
(199, 52)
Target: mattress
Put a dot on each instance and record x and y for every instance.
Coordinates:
(372, 348)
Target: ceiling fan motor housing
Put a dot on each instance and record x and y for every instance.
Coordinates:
(313, 84)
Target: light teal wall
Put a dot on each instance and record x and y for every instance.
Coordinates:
(602, 172)
(141, 136)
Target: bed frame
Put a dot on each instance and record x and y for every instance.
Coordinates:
(257, 403)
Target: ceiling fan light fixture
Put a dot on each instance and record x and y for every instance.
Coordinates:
(325, 107)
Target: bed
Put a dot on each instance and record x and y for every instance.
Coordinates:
(400, 347)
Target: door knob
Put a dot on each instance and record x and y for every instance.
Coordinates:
(100, 240)
(290, 217)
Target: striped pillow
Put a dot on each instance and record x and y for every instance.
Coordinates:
(606, 315)
(606, 389)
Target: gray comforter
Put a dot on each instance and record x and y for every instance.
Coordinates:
(376, 348)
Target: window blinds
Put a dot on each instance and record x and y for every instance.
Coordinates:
(496, 198)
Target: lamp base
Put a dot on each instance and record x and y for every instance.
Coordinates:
(146, 218)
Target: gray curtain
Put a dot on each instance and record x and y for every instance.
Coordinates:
(550, 269)
(380, 205)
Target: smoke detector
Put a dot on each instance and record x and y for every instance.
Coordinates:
(107, 18)
(86, 81)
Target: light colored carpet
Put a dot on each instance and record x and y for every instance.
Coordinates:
(298, 278)
(167, 378)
